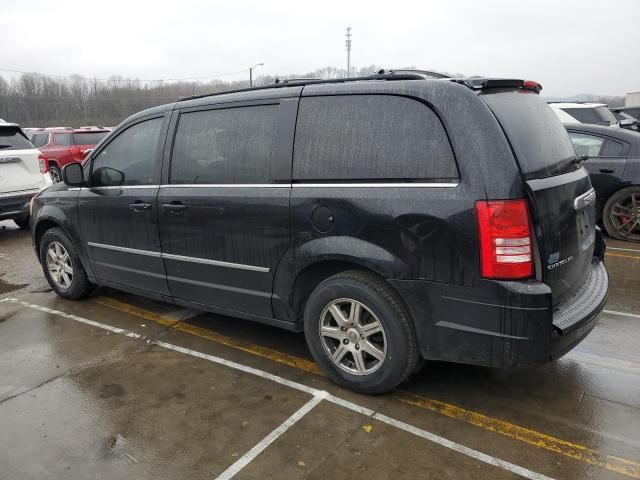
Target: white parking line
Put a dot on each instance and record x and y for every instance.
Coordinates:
(269, 439)
(318, 395)
(622, 314)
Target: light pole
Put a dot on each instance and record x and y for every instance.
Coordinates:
(348, 44)
(251, 72)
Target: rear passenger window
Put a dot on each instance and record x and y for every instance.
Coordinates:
(370, 137)
(230, 145)
(613, 149)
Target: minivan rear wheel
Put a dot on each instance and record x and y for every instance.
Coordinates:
(359, 333)
(62, 266)
(621, 215)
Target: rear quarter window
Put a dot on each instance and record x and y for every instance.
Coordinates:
(370, 137)
(13, 139)
(540, 142)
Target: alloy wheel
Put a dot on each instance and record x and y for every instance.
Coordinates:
(59, 265)
(352, 336)
(625, 216)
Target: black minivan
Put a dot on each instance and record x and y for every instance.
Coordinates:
(393, 218)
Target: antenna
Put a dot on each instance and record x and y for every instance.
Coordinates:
(348, 44)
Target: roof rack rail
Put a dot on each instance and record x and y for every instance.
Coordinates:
(392, 75)
(426, 73)
(299, 79)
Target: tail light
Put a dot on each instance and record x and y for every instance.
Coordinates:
(75, 151)
(506, 247)
(42, 162)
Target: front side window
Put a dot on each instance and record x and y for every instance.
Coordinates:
(370, 137)
(231, 145)
(130, 158)
(588, 145)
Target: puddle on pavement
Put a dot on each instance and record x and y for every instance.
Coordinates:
(6, 287)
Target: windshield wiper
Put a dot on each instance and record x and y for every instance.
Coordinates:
(580, 159)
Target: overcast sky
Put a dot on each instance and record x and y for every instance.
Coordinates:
(574, 46)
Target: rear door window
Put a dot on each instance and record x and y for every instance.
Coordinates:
(63, 139)
(370, 137)
(540, 142)
(224, 146)
(11, 138)
(589, 145)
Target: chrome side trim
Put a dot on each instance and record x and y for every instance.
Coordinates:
(318, 185)
(217, 263)
(378, 185)
(182, 258)
(125, 249)
(228, 185)
(121, 187)
(20, 193)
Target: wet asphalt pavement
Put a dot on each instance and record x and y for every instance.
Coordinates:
(118, 386)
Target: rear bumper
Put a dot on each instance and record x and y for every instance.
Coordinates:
(502, 324)
(16, 205)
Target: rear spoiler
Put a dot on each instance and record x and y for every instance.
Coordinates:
(501, 83)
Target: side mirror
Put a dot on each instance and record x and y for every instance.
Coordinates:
(72, 175)
(107, 177)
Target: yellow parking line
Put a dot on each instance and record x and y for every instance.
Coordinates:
(609, 254)
(269, 353)
(502, 427)
(526, 435)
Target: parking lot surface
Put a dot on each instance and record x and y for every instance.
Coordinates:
(118, 386)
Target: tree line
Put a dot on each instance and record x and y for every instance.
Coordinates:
(35, 100)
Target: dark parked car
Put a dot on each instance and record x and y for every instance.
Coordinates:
(614, 165)
(393, 218)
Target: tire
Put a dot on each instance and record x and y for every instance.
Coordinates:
(55, 173)
(22, 222)
(395, 345)
(77, 286)
(621, 214)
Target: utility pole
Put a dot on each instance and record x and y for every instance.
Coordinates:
(251, 72)
(348, 43)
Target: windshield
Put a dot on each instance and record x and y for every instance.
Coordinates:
(88, 138)
(12, 138)
(539, 141)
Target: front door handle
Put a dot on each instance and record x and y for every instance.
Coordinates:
(606, 170)
(139, 206)
(174, 207)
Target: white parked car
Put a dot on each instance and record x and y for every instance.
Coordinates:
(21, 177)
(593, 113)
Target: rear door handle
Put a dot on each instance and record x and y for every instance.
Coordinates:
(606, 170)
(139, 206)
(174, 207)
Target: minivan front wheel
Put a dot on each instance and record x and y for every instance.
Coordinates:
(62, 266)
(359, 333)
